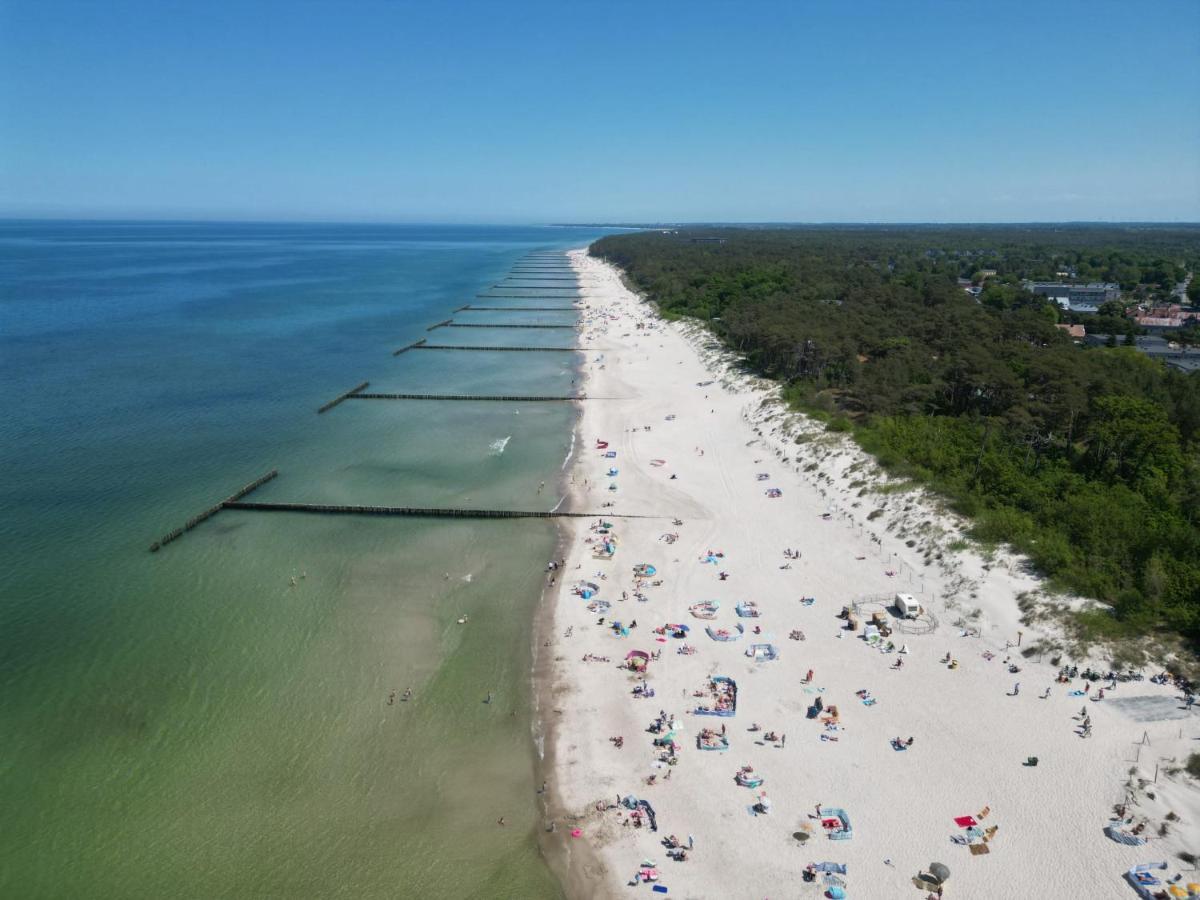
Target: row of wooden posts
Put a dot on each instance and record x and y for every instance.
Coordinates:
(358, 392)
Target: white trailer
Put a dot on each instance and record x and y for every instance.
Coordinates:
(907, 606)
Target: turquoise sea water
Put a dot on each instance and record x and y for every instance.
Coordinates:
(191, 723)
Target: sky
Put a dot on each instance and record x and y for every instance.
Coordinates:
(615, 111)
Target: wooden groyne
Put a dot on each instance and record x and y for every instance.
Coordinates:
(494, 296)
(502, 349)
(452, 324)
(427, 512)
(439, 324)
(336, 400)
(574, 309)
(212, 511)
(413, 346)
(503, 398)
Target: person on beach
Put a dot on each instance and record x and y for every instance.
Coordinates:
(1016, 689)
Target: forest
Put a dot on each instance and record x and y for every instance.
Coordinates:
(1087, 460)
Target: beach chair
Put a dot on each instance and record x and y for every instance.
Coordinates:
(983, 813)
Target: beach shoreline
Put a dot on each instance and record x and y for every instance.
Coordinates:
(694, 437)
(575, 864)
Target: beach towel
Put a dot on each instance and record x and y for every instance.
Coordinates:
(965, 821)
(1076, 693)
(979, 849)
(870, 701)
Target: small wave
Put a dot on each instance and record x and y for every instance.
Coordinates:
(570, 450)
(497, 447)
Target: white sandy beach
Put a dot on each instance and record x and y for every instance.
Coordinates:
(970, 735)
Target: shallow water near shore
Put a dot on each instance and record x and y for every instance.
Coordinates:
(192, 723)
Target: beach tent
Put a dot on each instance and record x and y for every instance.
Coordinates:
(644, 569)
(762, 652)
(726, 634)
(939, 873)
(638, 659)
(836, 823)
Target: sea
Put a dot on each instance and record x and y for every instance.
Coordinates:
(226, 717)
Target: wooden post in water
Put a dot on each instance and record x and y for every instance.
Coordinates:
(336, 400)
(212, 511)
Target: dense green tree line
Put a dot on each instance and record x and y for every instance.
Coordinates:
(1088, 460)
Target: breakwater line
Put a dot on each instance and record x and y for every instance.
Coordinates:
(568, 309)
(235, 501)
(338, 399)
(413, 346)
(212, 511)
(494, 296)
(502, 398)
(450, 323)
(429, 512)
(493, 348)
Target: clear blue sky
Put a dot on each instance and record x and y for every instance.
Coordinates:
(803, 110)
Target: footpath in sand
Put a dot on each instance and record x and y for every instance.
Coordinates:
(696, 442)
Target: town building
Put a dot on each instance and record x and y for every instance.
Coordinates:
(1076, 297)
(1076, 332)
(1172, 316)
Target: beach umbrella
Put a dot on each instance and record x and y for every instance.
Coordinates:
(939, 872)
(835, 893)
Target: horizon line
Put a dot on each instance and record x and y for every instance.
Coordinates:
(697, 223)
